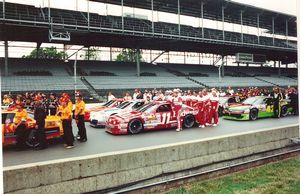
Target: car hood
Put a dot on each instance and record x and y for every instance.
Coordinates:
(128, 115)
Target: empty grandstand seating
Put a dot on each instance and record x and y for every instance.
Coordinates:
(125, 76)
(76, 19)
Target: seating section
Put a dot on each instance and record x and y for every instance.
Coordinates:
(76, 19)
(126, 82)
(166, 76)
(40, 83)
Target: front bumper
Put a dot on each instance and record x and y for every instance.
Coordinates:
(235, 116)
(96, 123)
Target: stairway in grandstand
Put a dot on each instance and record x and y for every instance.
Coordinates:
(92, 91)
(178, 73)
(260, 79)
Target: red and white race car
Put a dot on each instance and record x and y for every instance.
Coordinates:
(152, 116)
(109, 104)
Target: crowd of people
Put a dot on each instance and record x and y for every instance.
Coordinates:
(205, 100)
(42, 105)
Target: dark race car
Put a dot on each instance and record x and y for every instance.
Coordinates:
(152, 116)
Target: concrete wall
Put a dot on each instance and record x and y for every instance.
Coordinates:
(97, 172)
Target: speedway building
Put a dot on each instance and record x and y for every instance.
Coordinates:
(28, 23)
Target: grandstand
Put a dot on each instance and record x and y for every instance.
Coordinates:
(91, 29)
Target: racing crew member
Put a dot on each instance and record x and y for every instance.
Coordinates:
(19, 121)
(79, 117)
(40, 116)
(201, 113)
(277, 97)
(177, 101)
(66, 116)
(214, 106)
(52, 104)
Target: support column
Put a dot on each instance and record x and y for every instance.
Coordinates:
(152, 25)
(6, 58)
(150, 55)
(223, 9)
(138, 66)
(202, 26)
(49, 12)
(38, 46)
(110, 53)
(88, 13)
(122, 11)
(258, 31)
(169, 57)
(242, 35)
(279, 68)
(3, 9)
(88, 53)
(222, 68)
(287, 32)
(273, 26)
(184, 58)
(178, 12)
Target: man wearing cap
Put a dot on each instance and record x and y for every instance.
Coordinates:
(66, 116)
(79, 117)
(19, 121)
(40, 116)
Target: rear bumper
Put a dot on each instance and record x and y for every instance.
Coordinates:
(239, 117)
(115, 130)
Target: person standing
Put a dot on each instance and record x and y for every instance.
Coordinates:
(66, 117)
(79, 117)
(19, 121)
(201, 113)
(213, 112)
(277, 97)
(177, 102)
(52, 104)
(40, 116)
(110, 96)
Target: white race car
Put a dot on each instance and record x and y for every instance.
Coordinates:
(98, 119)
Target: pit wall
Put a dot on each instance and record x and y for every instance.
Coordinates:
(104, 171)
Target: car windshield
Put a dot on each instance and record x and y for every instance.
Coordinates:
(251, 100)
(109, 103)
(223, 100)
(124, 105)
(7, 117)
(146, 108)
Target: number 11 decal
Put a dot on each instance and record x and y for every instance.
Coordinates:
(166, 118)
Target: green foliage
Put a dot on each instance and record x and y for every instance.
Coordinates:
(281, 177)
(91, 54)
(128, 55)
(46, 53)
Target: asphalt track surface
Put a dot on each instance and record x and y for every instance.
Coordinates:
(101, 142)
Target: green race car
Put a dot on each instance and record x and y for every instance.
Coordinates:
(255, 107)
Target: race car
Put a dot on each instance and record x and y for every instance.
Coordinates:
(53, 128)
(151, 116)
(253, 108)
(225, 101)
(108, 104)
(98, 119)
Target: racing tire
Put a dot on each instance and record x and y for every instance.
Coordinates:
(253, 115)
(31, 139)
(189, 121)
(135, 126)
(284, 111)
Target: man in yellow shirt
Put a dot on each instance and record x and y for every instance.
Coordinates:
(66, 116)
(79, 117)
(19, 121)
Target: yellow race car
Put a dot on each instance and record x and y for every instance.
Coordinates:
(53, 128)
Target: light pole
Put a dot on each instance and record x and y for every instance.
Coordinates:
(75, 74)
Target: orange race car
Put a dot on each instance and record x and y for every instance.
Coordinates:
(53, 128)
(110, 104)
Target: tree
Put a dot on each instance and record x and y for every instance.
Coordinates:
(128, 55)
(90, 54)
(46, 53)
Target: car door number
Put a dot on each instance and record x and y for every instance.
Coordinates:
(165, 118)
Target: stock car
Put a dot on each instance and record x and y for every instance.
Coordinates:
(253, 108)
(108, 104)
(98, 119)
(151, 116)
(225, 101)
(53, 128)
